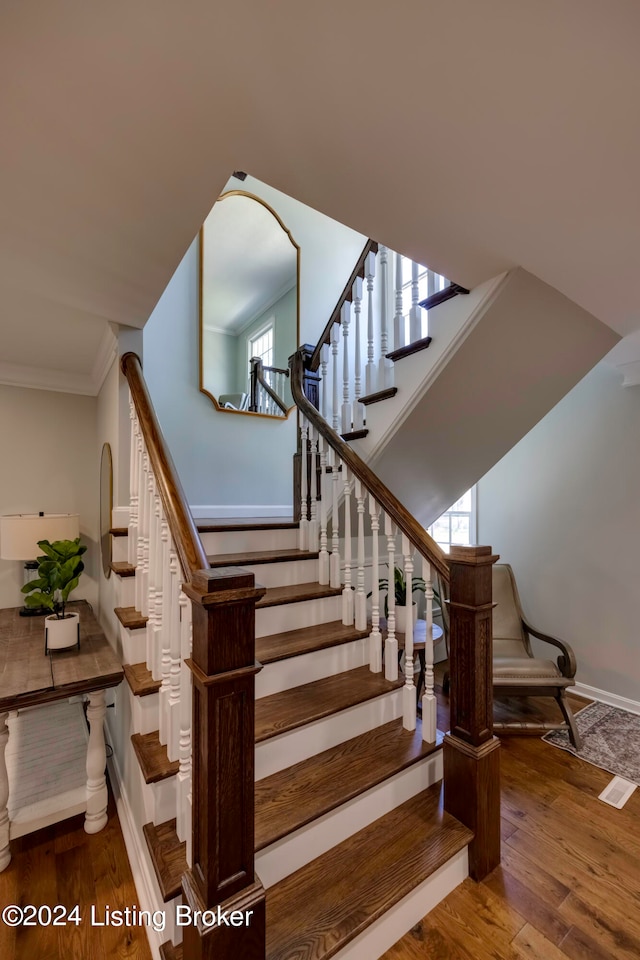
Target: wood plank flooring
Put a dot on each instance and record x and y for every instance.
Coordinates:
(63, 865)
(569, 881)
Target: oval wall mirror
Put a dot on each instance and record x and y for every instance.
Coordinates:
(249, 307)
(106, 507)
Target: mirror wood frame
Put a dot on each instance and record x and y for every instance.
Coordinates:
(106, 508)
(296, 247)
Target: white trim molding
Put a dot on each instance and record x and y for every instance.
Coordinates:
(603, 696)
(233, 511)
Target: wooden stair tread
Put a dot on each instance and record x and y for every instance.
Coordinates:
(140, 679)
(152, 757)
(380, 395)
(312, 701)
(410, 349)
(169, 952)
(247, 523)
(354, 435)
(119, 531)
(168, 855)
(316, 911)
(292, 643)
(291, 798)
(260, 556)
(122, 569)
(296, 592)
(130, 617)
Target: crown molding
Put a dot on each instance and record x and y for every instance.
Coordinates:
(40, 378)
(107, 352)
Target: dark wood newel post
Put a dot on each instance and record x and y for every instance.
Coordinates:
(224, 667)
(471, 758)
(311, 388)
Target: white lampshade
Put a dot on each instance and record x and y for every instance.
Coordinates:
(19, 534)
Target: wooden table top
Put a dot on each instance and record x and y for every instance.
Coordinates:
(29, 677)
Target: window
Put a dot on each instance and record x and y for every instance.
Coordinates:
(457, 525)
(261, 346)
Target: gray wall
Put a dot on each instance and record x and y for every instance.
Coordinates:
(563, 508)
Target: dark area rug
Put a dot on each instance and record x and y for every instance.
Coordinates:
(610, 740)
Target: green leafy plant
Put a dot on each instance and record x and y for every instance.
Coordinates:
(400, 588)
(58, 574)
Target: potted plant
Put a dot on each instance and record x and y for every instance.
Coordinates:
(400, 593)
(58, 574)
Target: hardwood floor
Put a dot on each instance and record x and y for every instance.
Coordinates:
(569, 881)
(63, 865)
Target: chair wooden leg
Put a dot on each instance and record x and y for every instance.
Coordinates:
(574, 736)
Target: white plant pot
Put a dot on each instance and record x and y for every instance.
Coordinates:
(61, 634)
(401, 617)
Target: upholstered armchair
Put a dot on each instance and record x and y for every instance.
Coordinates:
(516, 671)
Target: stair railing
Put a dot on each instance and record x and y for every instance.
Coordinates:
(379, 317)
(349, 485)
(267, 388)
(203, 652)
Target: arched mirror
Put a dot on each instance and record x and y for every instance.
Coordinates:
(106, 507)
(249, 307)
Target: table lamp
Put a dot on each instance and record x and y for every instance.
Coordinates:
(19, 536)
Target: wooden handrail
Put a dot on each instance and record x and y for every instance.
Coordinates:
(185, 534)
(358, 271)
(425, 545)
(257, 377)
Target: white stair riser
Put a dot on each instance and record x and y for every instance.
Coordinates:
(119, 549)
(144, 712)
(392, 925)
(125, 591)
(294, 851)
(293, 672)
(236, 541)
(289, 616)
(134, 645)
(284, 574)
(296, 745)
(159, 799)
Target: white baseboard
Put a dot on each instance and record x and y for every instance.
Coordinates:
(139, 868)
(603, 696)
(231, 511)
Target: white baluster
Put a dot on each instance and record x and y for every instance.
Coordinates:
(398, 319)
(347, 593)
(149, 586)
(334, 563)
(385, 370)
(335, 413)
(370, 372)
(156, 557)
(429, 702)
(323, 557)
(138, 583)
(165, 662)
(303, 530)
(314, 523)
(173, 741)
(183, 820)
(409, 689)
(415, 317)
(324, 384)
(346, 372)
(375, 637)
(360, 598)
(357, 417)
(132, 540)
(391, 643)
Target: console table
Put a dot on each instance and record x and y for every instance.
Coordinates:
(29, 678)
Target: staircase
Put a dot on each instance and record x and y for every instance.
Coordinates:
(351, 840)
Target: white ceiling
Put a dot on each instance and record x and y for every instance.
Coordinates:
(248, 259)
(471, 136)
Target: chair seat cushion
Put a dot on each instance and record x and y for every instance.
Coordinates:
(527, 671)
